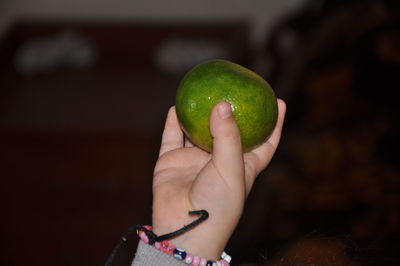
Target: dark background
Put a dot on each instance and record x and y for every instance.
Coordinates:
(78, 144)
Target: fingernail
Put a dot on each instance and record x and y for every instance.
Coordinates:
(224, 110)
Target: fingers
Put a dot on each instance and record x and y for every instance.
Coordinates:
(172, 137)
(257, 159)
(227, 148)
(277, 132)
(188, 143)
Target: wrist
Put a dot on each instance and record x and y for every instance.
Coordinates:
(208, 239)
(204, 244)
(149, 237)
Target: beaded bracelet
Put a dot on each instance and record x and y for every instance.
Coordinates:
(180, 254)
(161, 243)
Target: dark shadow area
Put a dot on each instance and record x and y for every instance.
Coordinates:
(331, 195)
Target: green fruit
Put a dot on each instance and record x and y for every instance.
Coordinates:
(252, 99)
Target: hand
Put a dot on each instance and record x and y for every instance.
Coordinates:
(187, 178)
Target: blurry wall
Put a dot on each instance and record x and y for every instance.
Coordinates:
(259, 13)
(7, 15)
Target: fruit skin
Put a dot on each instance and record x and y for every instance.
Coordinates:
(252, 99)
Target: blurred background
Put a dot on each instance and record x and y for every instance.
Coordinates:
(84, 90)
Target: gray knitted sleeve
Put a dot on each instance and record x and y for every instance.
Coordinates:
(147, 255)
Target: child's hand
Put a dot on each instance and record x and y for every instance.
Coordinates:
(187, 178)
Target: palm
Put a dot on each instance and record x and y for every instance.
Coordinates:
(174, 175)
(187, 178)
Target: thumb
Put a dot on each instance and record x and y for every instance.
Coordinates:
(227, 148)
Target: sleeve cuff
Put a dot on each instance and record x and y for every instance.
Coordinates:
(150, 256)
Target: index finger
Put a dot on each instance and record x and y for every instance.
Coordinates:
(172, 137)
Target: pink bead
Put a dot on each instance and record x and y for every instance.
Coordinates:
(203, 262)
(189, 259)
(157, 245)
(148, 227)
(164, 246)
(170, 249)
(144, 237)
(224, 263)
(196, 261)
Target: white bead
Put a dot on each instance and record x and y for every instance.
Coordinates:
(189, 259)
(203, 262)
(227, 257)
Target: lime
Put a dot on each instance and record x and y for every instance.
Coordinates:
(253, 102)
